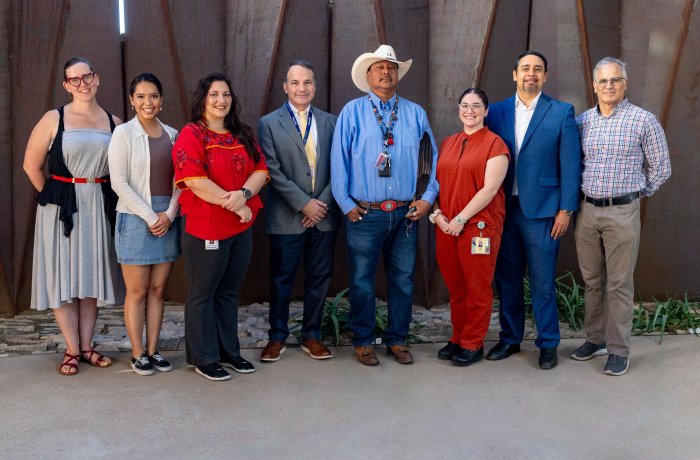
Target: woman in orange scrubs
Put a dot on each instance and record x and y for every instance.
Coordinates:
(469, 216)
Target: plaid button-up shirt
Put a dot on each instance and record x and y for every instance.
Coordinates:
(624, 152)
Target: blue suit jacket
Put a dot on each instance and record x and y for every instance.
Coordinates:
(549, 161)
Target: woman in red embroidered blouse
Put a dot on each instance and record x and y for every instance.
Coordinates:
(220, 169)
(470, 169)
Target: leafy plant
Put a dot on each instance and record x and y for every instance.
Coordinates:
(335, 322)
(666, 316)
(570, 300)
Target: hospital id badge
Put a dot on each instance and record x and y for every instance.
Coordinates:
(481, 245)
(382, 161)
(211, 245)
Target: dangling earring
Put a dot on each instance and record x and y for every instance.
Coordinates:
(133, 108)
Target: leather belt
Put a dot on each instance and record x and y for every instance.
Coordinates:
(614, 201)
(386, 205)
(79, 180)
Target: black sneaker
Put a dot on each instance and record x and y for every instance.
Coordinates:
(589, 350)
(142, 365)
(159, 363)
(616, 365)
(212, 371)
(239, 364)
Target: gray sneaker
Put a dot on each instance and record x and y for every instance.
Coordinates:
(588, 350)
(616, 365)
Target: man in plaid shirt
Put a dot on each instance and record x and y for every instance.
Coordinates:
(625, 157)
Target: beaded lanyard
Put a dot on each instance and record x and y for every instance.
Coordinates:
(387, 133)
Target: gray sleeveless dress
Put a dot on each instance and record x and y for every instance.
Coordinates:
(77, 266)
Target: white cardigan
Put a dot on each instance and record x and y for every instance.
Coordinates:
(130, 171)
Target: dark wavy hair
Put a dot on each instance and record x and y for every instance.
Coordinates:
(148, 78)
(232, 121)
(479, 92)
(73, 61)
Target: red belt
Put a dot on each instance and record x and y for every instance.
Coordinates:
(80, 180)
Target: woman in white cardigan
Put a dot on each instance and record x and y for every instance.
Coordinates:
(147, 234)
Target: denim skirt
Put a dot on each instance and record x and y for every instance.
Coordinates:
(136, 246)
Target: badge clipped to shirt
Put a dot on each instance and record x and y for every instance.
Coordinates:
(383, 164)
(481, 245)
(211, 245)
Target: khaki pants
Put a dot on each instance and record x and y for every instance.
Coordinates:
(607, 243)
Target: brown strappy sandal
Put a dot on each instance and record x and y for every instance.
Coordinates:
(101, 361)
(68, 362)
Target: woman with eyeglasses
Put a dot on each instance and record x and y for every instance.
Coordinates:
(220, 169)
(469, 214)
(71, 268)
(147, 234)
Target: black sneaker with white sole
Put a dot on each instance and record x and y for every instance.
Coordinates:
(588, 351)
(616, 365)
(239, 364)
(142, 365)
(159, 363)
(212, 371)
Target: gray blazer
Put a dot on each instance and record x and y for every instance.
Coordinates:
(290, 177)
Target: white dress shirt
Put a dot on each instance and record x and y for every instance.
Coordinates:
(523, 115)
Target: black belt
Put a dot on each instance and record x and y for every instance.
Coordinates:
(614, 201)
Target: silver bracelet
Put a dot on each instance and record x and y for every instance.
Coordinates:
(460, 220)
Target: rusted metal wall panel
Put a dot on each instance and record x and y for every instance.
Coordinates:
(603, 27)
(668, 256)
(650, 35)
(6, 154)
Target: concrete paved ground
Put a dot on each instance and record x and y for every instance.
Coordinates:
(301, 408)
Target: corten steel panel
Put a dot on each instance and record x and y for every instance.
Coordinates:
(46, 35)
(161, 34)
(354, 32)
(650, 35)
(603, 27)
(508, 38)
(406, 27)
(6, 173)
(458, 32)
(154, 37)
(554, 32)
(668, 255)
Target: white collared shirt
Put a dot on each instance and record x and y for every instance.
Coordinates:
(523, 115)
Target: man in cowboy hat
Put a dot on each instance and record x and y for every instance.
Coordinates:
(374, 165)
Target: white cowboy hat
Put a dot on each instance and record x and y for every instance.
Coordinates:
(363, 63)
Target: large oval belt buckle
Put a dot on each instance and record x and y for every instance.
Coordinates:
(388, 205)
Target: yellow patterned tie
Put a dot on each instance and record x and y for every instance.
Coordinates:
(309, 147)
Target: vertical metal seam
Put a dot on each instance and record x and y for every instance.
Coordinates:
(274, 58)
(329, 63)
(685, 26)
(168, 22)
(529, 25)
(379, 22)
(486, 44)
(585, 52)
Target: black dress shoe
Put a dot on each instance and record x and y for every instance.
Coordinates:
(502, 350)
(464, 357)
(445, 353)
(548, 358)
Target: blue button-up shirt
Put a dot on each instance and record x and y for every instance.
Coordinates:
(357, 143)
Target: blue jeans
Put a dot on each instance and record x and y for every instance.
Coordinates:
(394, 236)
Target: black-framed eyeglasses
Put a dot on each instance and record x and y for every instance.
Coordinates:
(475, 107)
(603, 82)
(86, 78)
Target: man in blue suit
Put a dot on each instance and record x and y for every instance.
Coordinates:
(542, 190)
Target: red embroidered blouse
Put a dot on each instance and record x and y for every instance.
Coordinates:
(201, 153)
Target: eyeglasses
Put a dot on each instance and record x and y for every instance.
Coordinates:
(475, 107)
(613, 81)
(87, 79)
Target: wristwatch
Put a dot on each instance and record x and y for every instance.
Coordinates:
(247, 193)
(568, 212)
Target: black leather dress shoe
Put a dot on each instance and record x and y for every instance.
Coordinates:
(445, 353)
(502, 350)
(548, 358)
(464, 357)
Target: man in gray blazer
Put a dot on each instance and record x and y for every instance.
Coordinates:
(302, 217)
